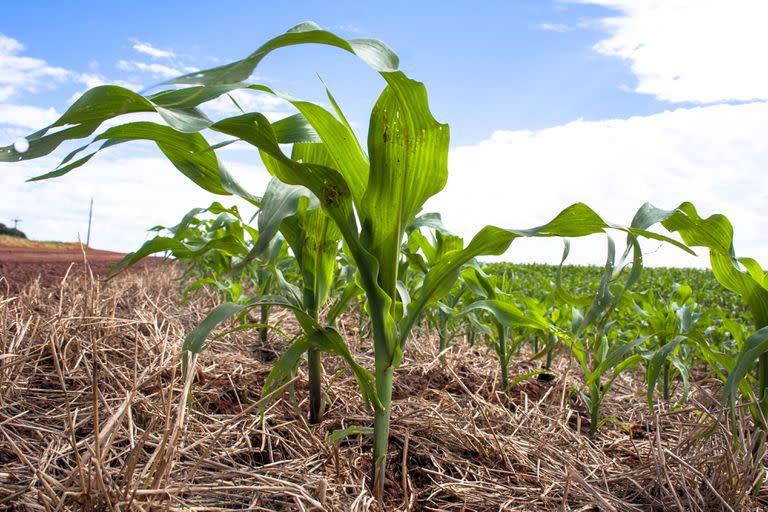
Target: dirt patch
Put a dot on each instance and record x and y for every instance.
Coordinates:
(24, 264)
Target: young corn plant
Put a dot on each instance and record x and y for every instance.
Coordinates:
(671, 328)
(745, 277)
(504, 315)
(422, 253)
(593, 340)
(314, 239)
(371, 196)
(209, 248)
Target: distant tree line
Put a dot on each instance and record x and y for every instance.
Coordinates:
(7, 230)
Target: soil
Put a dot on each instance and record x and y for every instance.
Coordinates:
(23, 265)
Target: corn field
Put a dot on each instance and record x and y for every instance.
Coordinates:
(342, 349)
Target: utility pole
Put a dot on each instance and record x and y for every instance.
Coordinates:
(15, 222)
(90, 217)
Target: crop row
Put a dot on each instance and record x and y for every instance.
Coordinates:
(341, 223)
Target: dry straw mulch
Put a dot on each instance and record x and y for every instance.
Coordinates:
(93, 417)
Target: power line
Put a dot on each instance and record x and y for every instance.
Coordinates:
(15, 222)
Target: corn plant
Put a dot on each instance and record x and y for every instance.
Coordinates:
(314, 240)
(503, 314)
(674, 333)
(745, 277)
(371, 196)
(422, 253)
(209, 248)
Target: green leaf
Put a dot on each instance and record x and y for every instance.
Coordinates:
(195, 340)
(182, 250)
(753, 347)
(344, 433)
(716, 233)
(509, 315)
(576, 220)
(375, 53)
(408, 151)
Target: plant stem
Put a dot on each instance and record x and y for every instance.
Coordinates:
(501, 348)
(263, 320)
(315, 368)
(443, 335)
(762, 375)
(381, 430)
(550, 354)
(665, 384)
(314, 363)
(594, 407)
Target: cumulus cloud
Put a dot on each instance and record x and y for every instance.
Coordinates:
(553, 27)
(21, 73)
(6, 92)
(91, 80)
(690, 50)
(133, 190)
(26, 116)
(156, 70)
(150, 50)
(714, 156)
(271, 106)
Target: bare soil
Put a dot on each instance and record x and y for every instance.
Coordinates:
(24, 261)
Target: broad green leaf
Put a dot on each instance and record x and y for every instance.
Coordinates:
(195, 340)
(754, 346)
(408, 151)
(509, 315)
(375, 53)
(179, 249)
(716, 233)
(354, 430)
(576, 220)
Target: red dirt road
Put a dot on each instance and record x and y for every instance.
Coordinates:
(20, 266)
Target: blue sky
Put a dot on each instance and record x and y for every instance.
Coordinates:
(612, 102)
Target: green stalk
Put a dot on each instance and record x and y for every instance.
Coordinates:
(501, 348)
(550, 357)
(665, 383)
(594, 407)
(315, 368)
(762, 376)
(264, 320)
(381, 421)
(443, 334)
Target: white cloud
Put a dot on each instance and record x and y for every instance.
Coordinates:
(150, 50)
(91, 80)
(553, 27)
(9, 46)
(19, 73)
(156, 70)
(131, 194)
(27, 116)
(271, 106)
(6, 92)
(713, 156)
(702, 51)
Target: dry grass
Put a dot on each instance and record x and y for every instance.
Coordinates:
(93, 416)
(14, 241)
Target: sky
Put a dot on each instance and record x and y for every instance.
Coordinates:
(550, 102)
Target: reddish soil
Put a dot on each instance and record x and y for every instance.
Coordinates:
(20, 266)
